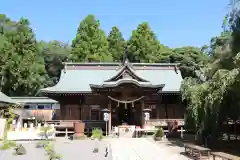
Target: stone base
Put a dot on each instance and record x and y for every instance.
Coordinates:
(126, 131)
(78, 137)
(78, 134)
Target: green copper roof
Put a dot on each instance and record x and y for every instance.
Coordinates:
(77, 77)
(5, 99)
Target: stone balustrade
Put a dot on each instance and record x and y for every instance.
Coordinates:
(30, 133)
(164, 122)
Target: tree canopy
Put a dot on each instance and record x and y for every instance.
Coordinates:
(28, 65)
(143, 45)
(117, 44)
(90, 43)
(22, 67)
(212, 96)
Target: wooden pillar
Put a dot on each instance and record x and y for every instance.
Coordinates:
(158, 111)
(142, 108)
(82, 112)
(159, 107)
(62, 111)
(166, 98)
(90, 112)
(110, 116)
(166, 110)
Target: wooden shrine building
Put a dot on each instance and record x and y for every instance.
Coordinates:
(84, 89)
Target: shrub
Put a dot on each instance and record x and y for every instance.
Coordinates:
(95, 150)
(8, 144)
(42, 144)
(159, 133)
(52, 155)
(44, 131)
(20, 150)
(97, 133)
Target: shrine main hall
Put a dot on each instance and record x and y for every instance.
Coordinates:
(125, 89)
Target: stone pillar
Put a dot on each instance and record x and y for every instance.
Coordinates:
(110, 116)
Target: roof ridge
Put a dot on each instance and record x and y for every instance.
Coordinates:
(117, 64)
(91, 63)
(30, 97)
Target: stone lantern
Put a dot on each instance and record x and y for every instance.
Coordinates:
(146, 114)
(106, 117)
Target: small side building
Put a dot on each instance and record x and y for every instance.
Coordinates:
(41, 108)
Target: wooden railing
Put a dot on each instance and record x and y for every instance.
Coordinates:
(164, 122)
(89, 124)
(60, 122)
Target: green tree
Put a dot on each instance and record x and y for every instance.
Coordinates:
(90, 43)
(215, 100)
(55, 53)
(190, 59)
(164, 55)
(143, 45)
(22, 71)
(117, 44)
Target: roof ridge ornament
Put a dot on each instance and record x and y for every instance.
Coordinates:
(126, 61)
(125, 58)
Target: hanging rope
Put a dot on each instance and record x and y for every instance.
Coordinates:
(120, 101)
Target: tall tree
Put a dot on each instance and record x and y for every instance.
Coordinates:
(143, 45)
(23, 71)
(116, 44)
(90, 43)
(191, 59)
(215, 100)
(54, 53)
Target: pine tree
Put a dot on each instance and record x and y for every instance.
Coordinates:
(116, 44)
(90, 43)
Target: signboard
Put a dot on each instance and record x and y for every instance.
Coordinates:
(147, 116)
(106, 116)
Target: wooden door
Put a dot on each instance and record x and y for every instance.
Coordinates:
(73, 112)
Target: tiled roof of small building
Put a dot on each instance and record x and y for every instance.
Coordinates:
(5, 99)
(34, 100)
(77, 77)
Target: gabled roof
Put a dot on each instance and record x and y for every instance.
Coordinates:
(5, 99)
(77, 77)
(126, 68)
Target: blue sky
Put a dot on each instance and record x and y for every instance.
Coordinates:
(175, 22)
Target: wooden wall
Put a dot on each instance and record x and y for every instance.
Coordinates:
(166, 109)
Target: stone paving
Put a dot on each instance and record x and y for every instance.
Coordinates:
(70, 150)
(142, 149)
(120, 149)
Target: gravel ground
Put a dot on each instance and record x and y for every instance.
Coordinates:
(77, 149)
